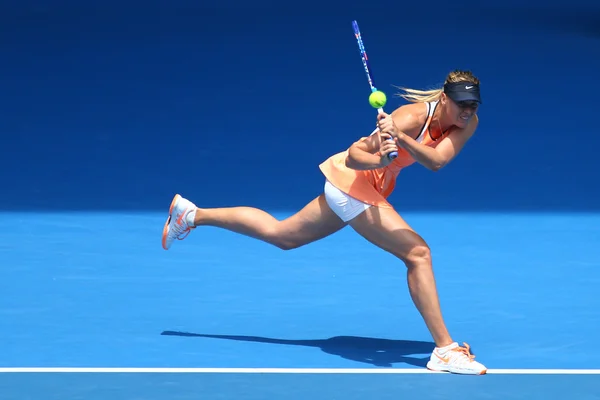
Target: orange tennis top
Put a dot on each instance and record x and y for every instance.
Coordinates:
(374, 186)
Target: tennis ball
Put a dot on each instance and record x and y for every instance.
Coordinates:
(377, 99)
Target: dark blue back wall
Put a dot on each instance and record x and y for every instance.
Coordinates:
(118, 106)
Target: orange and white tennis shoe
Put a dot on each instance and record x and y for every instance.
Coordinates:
(177, 226)
(455, 359)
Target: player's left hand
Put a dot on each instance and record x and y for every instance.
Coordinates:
(385, 123)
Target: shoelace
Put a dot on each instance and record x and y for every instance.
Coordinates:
(466, 350)
(184, 233)
(179, 230)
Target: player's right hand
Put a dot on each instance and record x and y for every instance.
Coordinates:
(387, 146)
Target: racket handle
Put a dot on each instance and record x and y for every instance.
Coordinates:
(393, 154)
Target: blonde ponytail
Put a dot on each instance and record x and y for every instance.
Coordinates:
(420, 96)
(423, 96)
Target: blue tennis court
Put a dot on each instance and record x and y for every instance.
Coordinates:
(109, 110)
(80, 293)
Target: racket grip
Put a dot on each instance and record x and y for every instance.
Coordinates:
(393, 154)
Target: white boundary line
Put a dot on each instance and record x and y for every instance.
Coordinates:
(397, 371)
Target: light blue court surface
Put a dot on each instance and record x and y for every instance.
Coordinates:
(84, 290)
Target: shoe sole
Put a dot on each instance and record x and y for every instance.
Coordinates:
(484, 372)
(166, 226)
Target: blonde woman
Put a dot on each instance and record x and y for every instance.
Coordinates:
(431, 130)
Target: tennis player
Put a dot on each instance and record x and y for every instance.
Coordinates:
(430, 130)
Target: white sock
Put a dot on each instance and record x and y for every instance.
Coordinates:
(189, 218)
(444, 349)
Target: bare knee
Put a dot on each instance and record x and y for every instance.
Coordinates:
(417, 255)
(286, 243)
(281, 238)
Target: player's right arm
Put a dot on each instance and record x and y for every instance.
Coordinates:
(372, 152)
(362, 155)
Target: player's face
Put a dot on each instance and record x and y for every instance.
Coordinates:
(461, 112)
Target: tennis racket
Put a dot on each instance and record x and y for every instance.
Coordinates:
(365, 61)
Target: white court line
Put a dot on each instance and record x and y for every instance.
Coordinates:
(398, 371)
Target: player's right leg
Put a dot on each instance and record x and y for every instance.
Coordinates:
(314, 221)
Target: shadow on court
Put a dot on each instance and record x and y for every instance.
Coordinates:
(374, 351)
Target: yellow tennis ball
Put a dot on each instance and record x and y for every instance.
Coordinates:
(377, 99)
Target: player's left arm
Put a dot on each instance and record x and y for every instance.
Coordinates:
(436, 158)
